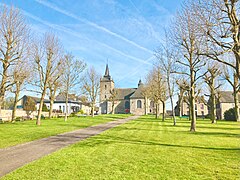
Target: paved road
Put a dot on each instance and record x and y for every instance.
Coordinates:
(16, 156)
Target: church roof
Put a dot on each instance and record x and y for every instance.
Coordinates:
(139, 92)
(124, 93)
(106, 76)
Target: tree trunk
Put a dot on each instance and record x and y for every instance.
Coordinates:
(145, 106)
(15, 102)
(192, 103)
(163, 113)
(113, 107)
(38, 122)
(51, 108)
(173, 112)
(3, 85)
(156, 116)
(213, 108)
(236, 99)
(171, 99)
(92, 109)
(66, 112)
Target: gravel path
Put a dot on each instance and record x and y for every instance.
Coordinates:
(14, 157)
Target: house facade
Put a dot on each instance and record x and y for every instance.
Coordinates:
(59, 104)
(201, 108)
(225, 102)
(126, 100)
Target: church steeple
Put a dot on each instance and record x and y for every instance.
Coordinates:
(107, 74)
(107, 71)
(140, 82)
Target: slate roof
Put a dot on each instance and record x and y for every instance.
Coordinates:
(227, 97)
(61, 97)
(138, 93)
(36, 99)
(199, 99)
(124, 93)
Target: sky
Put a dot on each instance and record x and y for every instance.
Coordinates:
(124, 33)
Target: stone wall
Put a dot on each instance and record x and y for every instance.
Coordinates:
(6, 115)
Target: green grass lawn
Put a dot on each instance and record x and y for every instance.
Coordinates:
(146, 149)
(20, 132)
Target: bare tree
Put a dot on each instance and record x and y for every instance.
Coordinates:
(14, 40)
(47, 57)
(146, 95)
(55, 85)
(167, 60)
(156, 87)
(71, 76)
(112, 98)
(213, 72)
(189, 42)
(220, 21)
(20, 76)
(91, 87)
(183, 87)
(220, 24)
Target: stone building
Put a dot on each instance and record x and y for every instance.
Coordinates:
(201, 108)
(225, 102)
(126, 100)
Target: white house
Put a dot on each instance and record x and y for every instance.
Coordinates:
(59, 105)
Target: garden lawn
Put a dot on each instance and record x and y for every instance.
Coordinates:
(146, 149)
(20, 132)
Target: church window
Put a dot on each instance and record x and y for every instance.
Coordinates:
(105, 96)
(105, 87)
(139, 104)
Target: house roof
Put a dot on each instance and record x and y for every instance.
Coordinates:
(124, 93)
(227, 97)
(62, 97)
(36, 99)
(199, 99)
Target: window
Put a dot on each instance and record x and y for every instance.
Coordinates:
(60, 107)
(105, 86)
(139, 104)
(105, 96)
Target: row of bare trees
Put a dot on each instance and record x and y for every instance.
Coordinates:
(41, 63)
(201, 46)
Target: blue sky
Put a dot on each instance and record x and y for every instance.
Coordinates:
(123, 32)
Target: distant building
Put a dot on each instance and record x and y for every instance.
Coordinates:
(59, 105)
(225, 102)
(201, 108)
(127, 100)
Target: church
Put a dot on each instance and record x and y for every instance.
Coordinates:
(126, 100)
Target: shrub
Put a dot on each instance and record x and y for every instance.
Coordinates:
(44, 108)
(229, 115)
(81, 112)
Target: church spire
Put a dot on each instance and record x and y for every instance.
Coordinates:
(107, 71)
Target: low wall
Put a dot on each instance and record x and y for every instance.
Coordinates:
(6, 115)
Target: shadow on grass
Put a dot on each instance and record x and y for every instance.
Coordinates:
(104, 140)
(222, 134)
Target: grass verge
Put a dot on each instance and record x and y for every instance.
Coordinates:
(146, 149)
(21, 132)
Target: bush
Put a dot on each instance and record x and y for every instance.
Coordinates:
(229, 115)
(44, 108)
(73, 114)
(81, 112)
